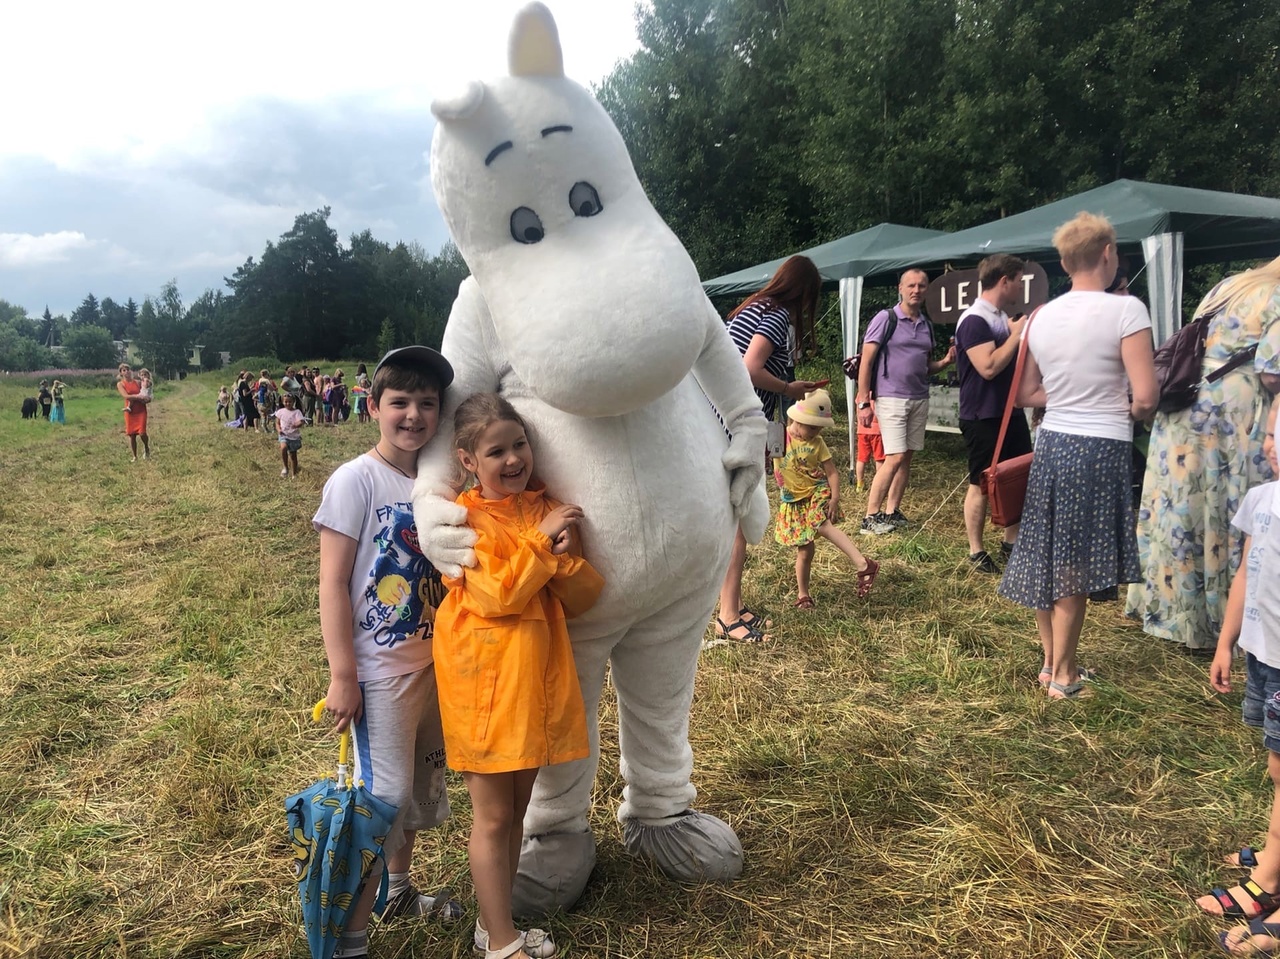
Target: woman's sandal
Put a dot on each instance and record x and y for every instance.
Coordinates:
(1257, 927)
(725, 631)
(748, 616)
(1233, 908)
(866, 577)
(804, 602)
(1247, 858)
(1070, 691)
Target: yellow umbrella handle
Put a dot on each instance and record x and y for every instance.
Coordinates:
(344, 743)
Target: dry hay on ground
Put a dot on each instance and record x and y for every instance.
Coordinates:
(900, 785)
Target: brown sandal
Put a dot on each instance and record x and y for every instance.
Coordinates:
(804, 602)
(867, 577)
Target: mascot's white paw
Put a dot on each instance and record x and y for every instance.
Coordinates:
(554, 870)
(693, 847)
(443, 535)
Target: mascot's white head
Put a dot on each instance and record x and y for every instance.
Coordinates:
(595, 301)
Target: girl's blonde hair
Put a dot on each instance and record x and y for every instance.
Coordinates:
(473, 416)
(476, 414)
(1234, 293)
(1081, 240)
(145, 372)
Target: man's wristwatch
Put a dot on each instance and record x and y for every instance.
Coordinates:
(864, 405)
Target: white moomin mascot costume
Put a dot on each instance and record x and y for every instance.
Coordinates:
(585, 312)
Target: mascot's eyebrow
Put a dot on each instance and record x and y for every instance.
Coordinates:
(504, 145)
(562, 128)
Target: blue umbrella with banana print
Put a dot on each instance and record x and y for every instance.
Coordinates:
(337, 828)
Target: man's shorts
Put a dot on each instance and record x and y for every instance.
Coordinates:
(1261, 707)
(902, 423)
(291, 445)
(980, 437)
(399, 749)
(870, 446)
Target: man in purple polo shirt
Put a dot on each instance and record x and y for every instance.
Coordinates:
(901, 367)
(987, 345)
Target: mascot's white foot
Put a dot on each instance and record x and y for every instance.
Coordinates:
(554, 870)
(692, 847)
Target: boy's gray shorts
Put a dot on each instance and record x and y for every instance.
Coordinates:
(399, 751)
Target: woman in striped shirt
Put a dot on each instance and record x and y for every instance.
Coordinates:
(762, 327)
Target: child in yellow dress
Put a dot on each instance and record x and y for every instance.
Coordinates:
(510, 701)
(809, 494)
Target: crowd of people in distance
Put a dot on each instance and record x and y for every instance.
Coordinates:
(304, 396)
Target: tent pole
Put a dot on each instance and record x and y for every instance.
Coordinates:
(850, 307)
(1163, 253)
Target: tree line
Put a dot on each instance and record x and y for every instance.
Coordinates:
(762, 126)
(307, 297)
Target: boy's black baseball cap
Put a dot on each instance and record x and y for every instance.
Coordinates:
(419, 356)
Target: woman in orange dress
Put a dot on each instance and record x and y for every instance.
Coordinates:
(510, 701)
(135, 412)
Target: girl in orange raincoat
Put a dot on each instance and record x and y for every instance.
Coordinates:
(510, 702)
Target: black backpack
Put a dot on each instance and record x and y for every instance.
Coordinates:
(853, 364)
(1180, 361)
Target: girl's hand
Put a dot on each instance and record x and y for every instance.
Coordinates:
(833, 510)
(558, 521)
(562, 543)
(1220, 671)
(344, 703)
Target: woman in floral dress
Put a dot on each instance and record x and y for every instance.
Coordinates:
(1201, 462)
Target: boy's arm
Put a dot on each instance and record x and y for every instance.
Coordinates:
(337, 560)
(1232, 619)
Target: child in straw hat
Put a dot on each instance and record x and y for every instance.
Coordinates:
(810, 495)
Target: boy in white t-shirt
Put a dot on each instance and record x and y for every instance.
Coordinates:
(1251, 621)
(378, 598)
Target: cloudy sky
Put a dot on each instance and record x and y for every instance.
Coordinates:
(153, 140)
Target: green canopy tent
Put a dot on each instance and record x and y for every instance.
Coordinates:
(834, 260)
(1171, 225)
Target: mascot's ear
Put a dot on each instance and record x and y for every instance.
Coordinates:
(461, 105)
(534, 47)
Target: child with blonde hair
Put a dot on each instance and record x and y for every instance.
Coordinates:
(809, 496)
(510, 701)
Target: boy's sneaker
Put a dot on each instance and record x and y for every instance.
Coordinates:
(876, 524)
(538, 943)
(896, 519)
(285, 471)
(1006, 550)
(410, 902)
(983, 563)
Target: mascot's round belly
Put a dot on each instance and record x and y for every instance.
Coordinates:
(658, 521)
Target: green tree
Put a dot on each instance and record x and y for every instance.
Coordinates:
(90, 347)
(164, 342)
(87, 313)
(386, 338)
(117, 318)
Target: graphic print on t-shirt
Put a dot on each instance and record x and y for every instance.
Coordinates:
(404, 589)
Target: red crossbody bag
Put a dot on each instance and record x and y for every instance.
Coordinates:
(1005, 481)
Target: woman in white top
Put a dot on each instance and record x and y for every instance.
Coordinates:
(1089, 364)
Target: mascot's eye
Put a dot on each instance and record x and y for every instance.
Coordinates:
(584, 199)
(526, 227)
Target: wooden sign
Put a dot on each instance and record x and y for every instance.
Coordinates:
(952, 293)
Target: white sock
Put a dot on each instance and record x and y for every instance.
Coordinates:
(352, 943)
(397, 882)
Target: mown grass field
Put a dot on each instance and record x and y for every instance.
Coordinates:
(901, 786)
